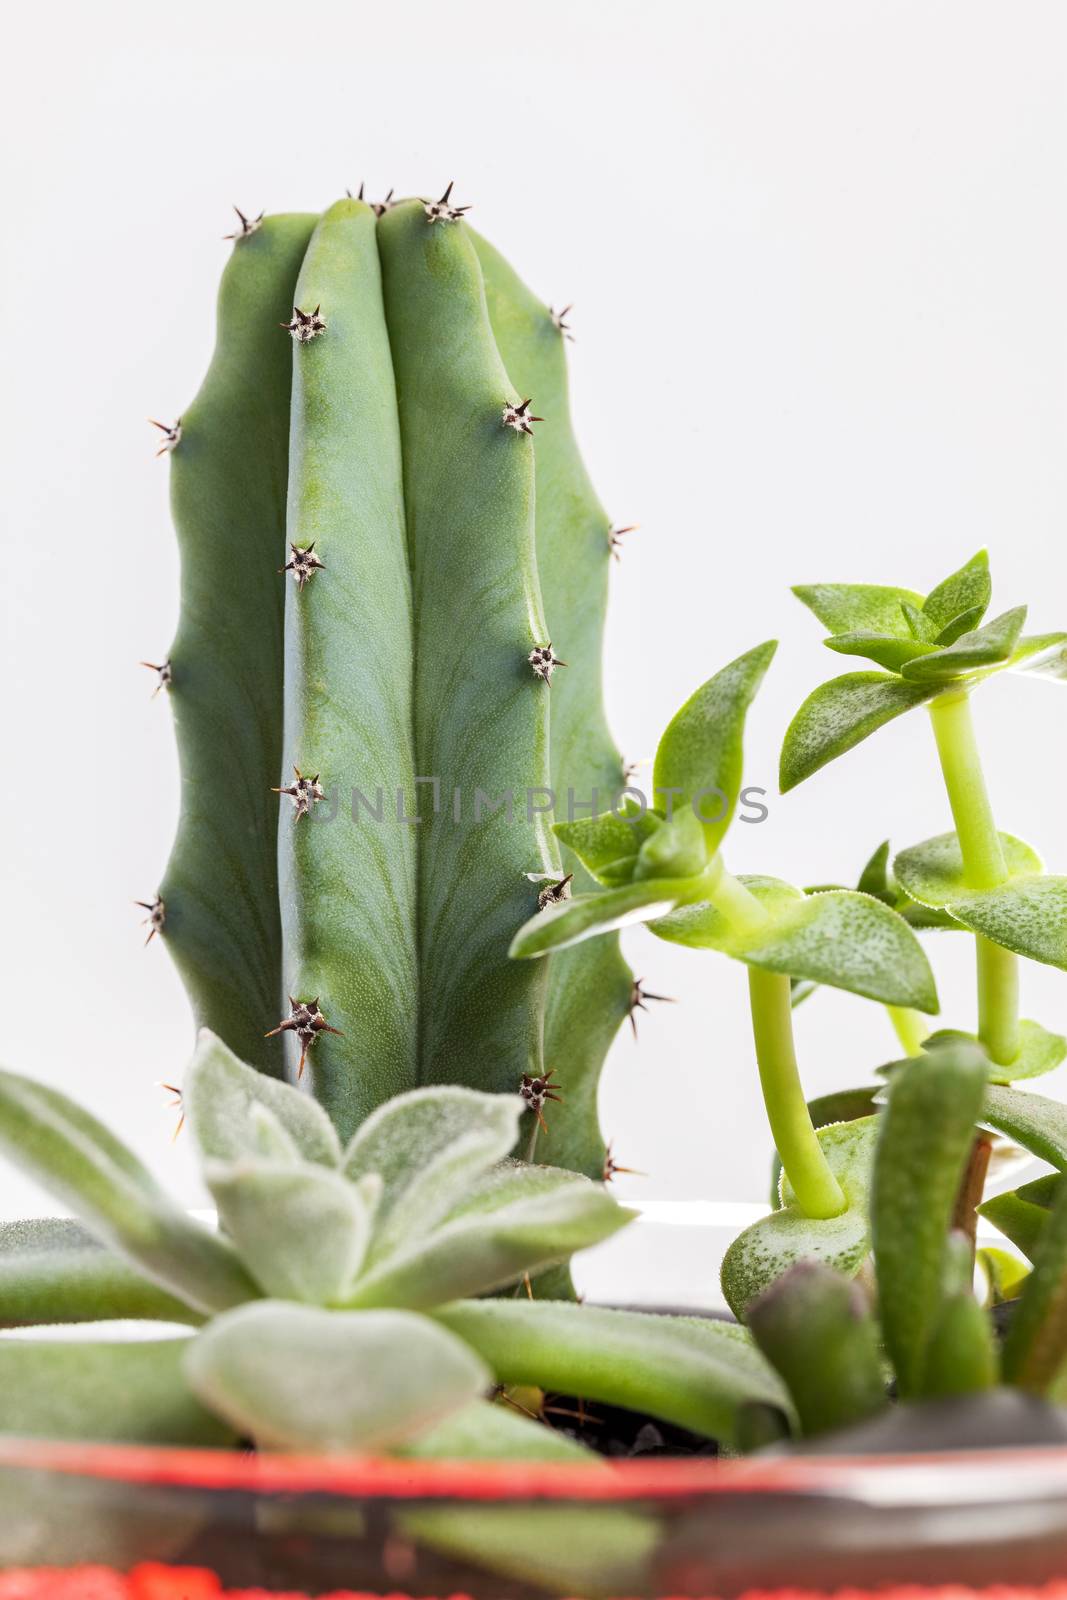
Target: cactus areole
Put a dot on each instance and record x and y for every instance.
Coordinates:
(348, 738)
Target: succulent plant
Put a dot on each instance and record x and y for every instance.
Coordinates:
(386, 552)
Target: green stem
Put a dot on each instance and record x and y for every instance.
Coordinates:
(736, 903)
(984, 867)
(911, 1028)
(817, 1191)
(983, 859)
(998, 1000)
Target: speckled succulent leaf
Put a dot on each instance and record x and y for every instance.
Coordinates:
(301, 1231)
(981, 647)
(294, 1377)
(926, 1137)
(1039, 1051)
(767, 1249)
(76, 1159)
(608, 845)
(228, 487)
(841, 1105)
(1042, 654)
(841, 938)
(961, 591)
(692, 1371)
(588, 915)
(699, 758)
(964, 623)
(53, 1270)
(1032, 1120)
(962, 1357)
(220, 1096)
(816, 1329)
(1035, 1345)
(882, 649)
(859, 607)
(427, 1148)
(1021, 1214)
(1026, 914)
(838, 715)
(520, 1219)
(676, 850)
(922, 628)
(118, 1391)
(874, 879)
(589, 986)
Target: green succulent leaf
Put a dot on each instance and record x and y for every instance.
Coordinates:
(981, 647)
(815, 1328)
(699, 759)
(692, 1371)
(231, 1109)
(1003, 1272)
(1032, 1120)
(922, 629)
(1039, 1051)
(841, 938)
(887, 652)
(588, 915)
(932, 872)
(295, 1377)
(763, 1252)
(1035, 1346)
(842, 1105)
(962, 1356)
(964, 623)
(518, 1219)
(1022, 1213)
(1042, 654)
(302, 1232)
(87, 1169)
(589, 1550)
(677, 850)
(874, 879)
(935, 1101)
(427, 1148)
(839, 715)
(52, 1270)
(969, 588)
(118, 1391)
(859, 607)
(608, 845)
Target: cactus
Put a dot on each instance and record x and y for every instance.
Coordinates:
(439, 561)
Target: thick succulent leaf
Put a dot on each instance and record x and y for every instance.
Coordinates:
(302, 1232)
(519, 1219)
(841, 938)
(692, 1371)
(220, 1096)
(701, 751)
(677, 850)
(53, 1270)
(608, 845)
(920, 626)
(886, 651)
(981, 647)
(427, 1147)
(932, 872)
(588, 915)
(1027, 915)
(767, 1249)
(88, 1170)
(121, 1392)
(1039, 1051)
(839, 715)
(961, 591)
(1022, 1213)
(1032, 1120)
(961, 1356)
(293, 1377)
(588, 1550)
(1044, 655)
(874, 879)
(1035, 1346)
(1003, 1272)
(964, 623)
(927, 1133)
(859, 607)
(816, 1329)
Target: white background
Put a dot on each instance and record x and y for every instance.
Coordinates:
(818, 255)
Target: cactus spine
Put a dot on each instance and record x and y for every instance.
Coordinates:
(377, 463)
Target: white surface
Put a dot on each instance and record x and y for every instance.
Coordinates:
(818, 255)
